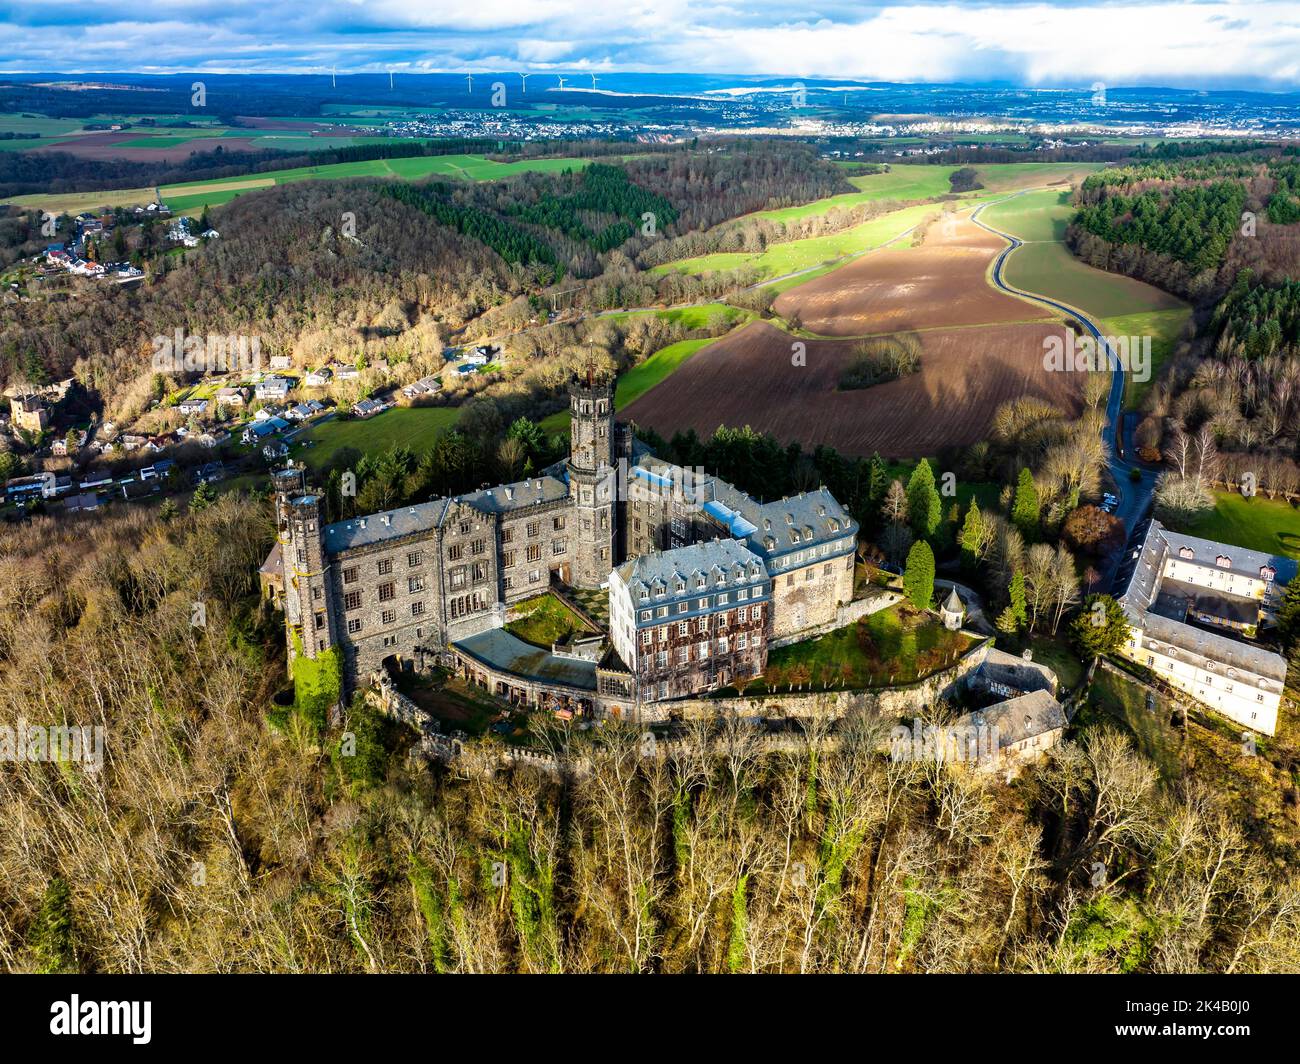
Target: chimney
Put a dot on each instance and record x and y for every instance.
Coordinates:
(361, 523)
(387, 519)
(510, 493)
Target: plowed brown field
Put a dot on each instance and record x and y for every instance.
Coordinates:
(747, 379)
(941, 283)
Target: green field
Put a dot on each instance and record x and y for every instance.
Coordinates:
(1044, 264)
(1163, 326)
(905, 181)
(194, 195)
(416, 427)
(639, 379)
(76, 202)
(1117, 700)
(1259, 524)
(1003, 177)
(779, 260)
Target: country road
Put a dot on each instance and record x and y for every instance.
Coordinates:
(1134, 495)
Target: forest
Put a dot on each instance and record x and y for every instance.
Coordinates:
(225, 834)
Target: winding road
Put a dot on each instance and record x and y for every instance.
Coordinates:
(1134, 495)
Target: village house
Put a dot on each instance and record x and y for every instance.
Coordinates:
(260, 430)
(230, 397)
(273, 388)
(369, 408)
(192, 407)
(318, 378)
(424, 386)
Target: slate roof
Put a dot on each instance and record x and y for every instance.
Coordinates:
(1202, 648)
(505, 498)
(667, 565)
(372, 528)
(1020, 718)
(768, 528)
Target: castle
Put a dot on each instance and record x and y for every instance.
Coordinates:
(434, 581)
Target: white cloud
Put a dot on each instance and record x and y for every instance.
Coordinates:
(1219, 42)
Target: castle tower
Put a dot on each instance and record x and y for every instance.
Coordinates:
(308, 612)
(592, 478)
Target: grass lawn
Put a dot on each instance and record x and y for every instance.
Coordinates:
(547, 620)
(1271, 525)
(1163, 326)
(639, 379)
(1056, 653)
(905, 181)
(897, 645)
(416, 427)
(781, 259)
(1121, 702)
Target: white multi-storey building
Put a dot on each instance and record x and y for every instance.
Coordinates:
(1195, 608)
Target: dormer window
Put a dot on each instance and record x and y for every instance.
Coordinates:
(767, 524)
(1223, 561)
(1186, 552)
(821, 511)
(1267, 572)
(789, 519)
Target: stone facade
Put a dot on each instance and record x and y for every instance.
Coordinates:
(403, 588)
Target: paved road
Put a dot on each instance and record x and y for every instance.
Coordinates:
(1134, 495)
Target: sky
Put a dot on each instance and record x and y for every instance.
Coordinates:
(1214, 44)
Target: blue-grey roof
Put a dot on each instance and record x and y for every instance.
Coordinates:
(720, 554)
(734, 522)
(499, 650)
(507, 497)
(373, 528)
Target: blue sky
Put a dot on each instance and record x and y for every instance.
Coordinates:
(1219, 43)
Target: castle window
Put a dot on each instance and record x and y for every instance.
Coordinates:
(388, 616)
(477, 547)
(302, 556)
(507, 535)
(414, 584)
(415, 558)
(557, 523)
(385, 567)
(683, 628)
(417, 609)
(386, 592)
(508, 558)
(558, 546)
(320, 621)
(722, 599)
(352, 600)
(683, 655)
(723, 646)
(464, 528)
(741, 642)
(354, 625)
(534, 552)
(533, 528)
(479, 572)
(350, 575)
(701, 650)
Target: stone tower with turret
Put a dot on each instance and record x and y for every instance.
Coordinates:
(592, 478)
(308, 610)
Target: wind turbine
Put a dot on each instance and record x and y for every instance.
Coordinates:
(470, 78)
(390, 79)
(561, 82)
(593, 81)
(524, 78)
(334, 77)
